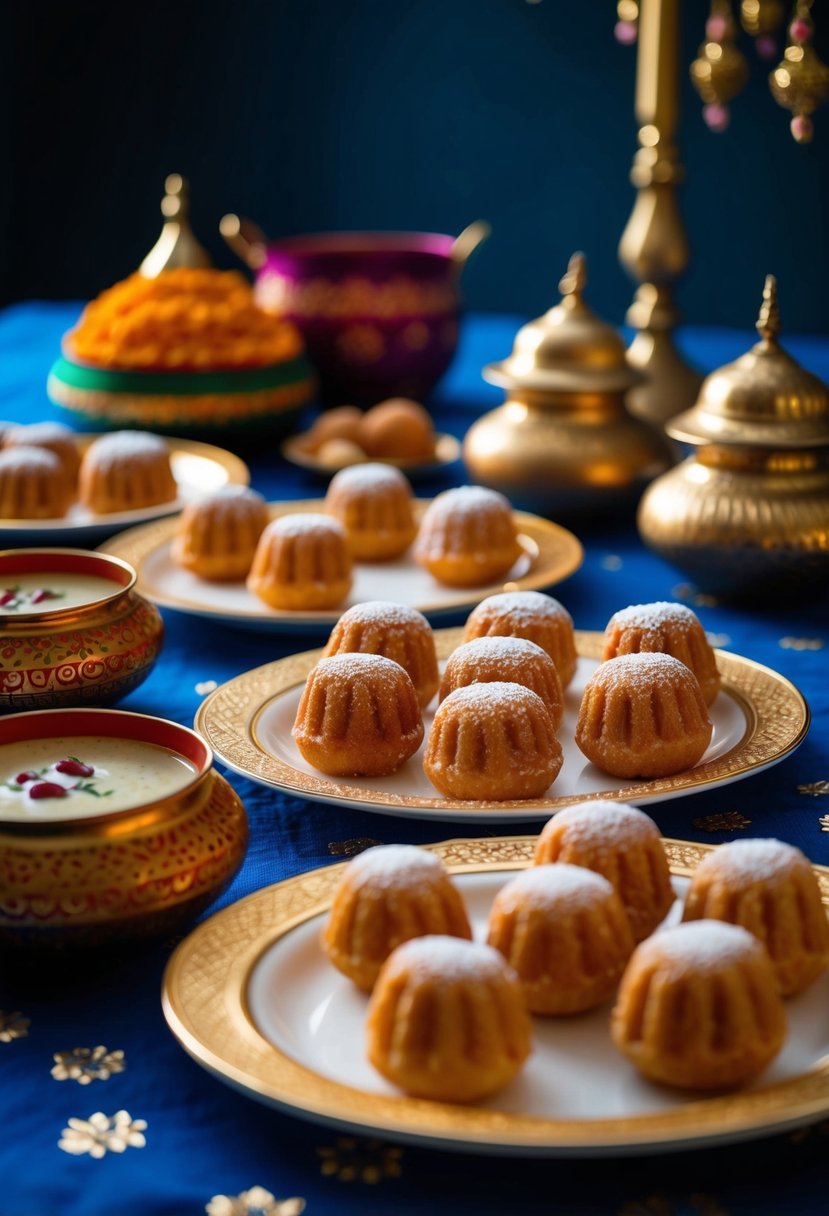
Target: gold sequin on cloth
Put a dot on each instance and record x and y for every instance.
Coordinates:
(353, 1160)
(101, 1134)
(255, 1202)
(814, 789)
(13, 1026)
(87, 1064)
(789, 643)
(725, 821)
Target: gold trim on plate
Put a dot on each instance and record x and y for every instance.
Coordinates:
(777, 719)
(204, 1000)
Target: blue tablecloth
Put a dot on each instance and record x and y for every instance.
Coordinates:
(201, 1138)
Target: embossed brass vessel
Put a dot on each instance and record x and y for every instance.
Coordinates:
(563, 441)
(750, 508)
(123, 874)
(87, 654)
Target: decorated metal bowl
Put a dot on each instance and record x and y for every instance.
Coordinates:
(379, 311)
(112, 825)
(73, 629)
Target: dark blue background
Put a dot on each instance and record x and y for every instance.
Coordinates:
(424, 114)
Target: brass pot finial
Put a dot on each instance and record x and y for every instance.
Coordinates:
(574, 281)
(177, 245)
(768, 322)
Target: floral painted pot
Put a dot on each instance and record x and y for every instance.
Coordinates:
(73, 629)
(86, 878)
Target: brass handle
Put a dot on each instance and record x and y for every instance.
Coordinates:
(246, 240)
(465, 244)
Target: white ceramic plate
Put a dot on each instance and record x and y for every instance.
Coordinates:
(759, 717)
(197, 467)
(251, 995)
(550, 554)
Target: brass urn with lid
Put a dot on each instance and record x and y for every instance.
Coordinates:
(563, 441)
(749, 510)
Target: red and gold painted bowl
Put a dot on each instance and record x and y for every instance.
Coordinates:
(73, 629)
(144, 835)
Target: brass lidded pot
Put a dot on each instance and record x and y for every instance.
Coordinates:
(750, 508)
(563, 440)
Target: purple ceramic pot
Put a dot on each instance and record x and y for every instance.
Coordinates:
(378, 311)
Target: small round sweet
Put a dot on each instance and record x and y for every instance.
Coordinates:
(374, 504)
(217, 536)
(52, 436)
(623, 845)
(669, 628)
(395, 631)
(643, 715)
(301, 561)
(358, 716)
(344, 422)
(493, 743)
(698, 1007)
(467, 537)
(33, 484)
(514, 660)
(399, 429)
(770, 889)
(532, 615)
(126, 471)
(338, 453)
(564, 930)
(385, 897)
(447, 1020)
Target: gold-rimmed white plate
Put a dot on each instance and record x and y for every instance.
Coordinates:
(549, 554)
(447, 452)
(198, 468)
(759, 718)
(250, 995)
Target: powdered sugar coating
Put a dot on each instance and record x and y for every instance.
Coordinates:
(361, 478)
(641, 671)
(755, 860)
(522, 607)
(653, 617)
(394, 865)
(700, 945)
(449, 960)
(611, 825)
(39, 433)
(122, 446)
(344, 668)
(511, 652)
(559, 888)
(305, 523)
(383, 612)
(23, 459)
(464, 501)
(488, 700)
(231, 498)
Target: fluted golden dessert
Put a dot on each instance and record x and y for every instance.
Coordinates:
(623, 845)
(126, 471)
(33, 484)
(358, 716)
(564, 930)
(301, 561)
(217, 536)
(467, 537)
(373, 502)
(698, 1007)
(493, 742)
(386, 896)
(532, 615)
(770, 889)
(447, 1020)
(643, 715)
(514, 660)
(52, 436)
(669, 628)
(395, 631)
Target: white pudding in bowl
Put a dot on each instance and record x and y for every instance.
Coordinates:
(79, 776)
(47, 591)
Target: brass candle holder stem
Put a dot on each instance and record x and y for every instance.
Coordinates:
(654, 247)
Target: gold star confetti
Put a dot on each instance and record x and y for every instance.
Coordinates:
(788, 643)
(814, 788)
(725, 821)
(353, 1160)
(206, 686)
(255, 1202)
(350, 848)
(718, 639)
(101, 1134)
(87, 1064)
(13, 1026)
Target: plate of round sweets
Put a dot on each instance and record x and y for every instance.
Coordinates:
(296, 997)
(398, 432)
(313, 560)
(57, 487)
(490, 751)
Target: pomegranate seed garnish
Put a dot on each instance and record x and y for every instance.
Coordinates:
(8, 597)
(47, 789)
(37, 597)
(22, 778)
(74, 768)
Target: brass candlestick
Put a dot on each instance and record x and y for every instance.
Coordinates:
(654, 247)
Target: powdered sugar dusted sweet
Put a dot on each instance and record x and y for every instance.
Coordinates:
(609, 825)
(367, 477)
(511, 652)
(39, 432)
(126, 446)
(468, 501)
(394, 865)
(305, 523)
(749, 861)
(642, 671)
(22, 459)
(450, 959)
(558, 888)
(522, 607)
(709, 945)
(345, 668)
(488, 700)
(383, 612)
(655, 617)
